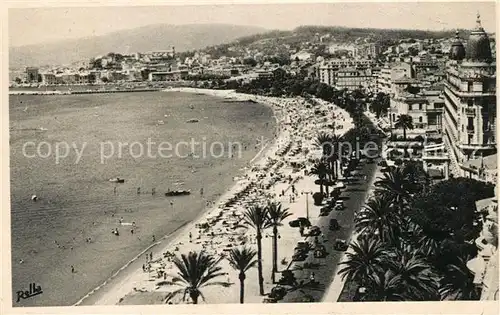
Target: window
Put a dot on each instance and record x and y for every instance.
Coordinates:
(470, 103)
(420, 119)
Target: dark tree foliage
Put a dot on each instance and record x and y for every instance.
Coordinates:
(447, 214)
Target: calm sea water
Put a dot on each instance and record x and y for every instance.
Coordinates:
(76, 200)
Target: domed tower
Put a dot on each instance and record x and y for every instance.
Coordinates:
(470, 100)
(457, 51)
(478, 45)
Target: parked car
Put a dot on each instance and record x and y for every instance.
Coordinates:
(325, 211)
(339, 205)
(300, 251)
(303, 245)
(299, 256)
(320, 251)
(313, 231)
(287, 278)
(300, 222)
(334, 225)
(340, 245)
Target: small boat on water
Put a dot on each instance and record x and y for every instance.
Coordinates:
(174, 193)
(193, 120)
(117, 180)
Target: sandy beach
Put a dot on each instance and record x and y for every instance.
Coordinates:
(270, 175)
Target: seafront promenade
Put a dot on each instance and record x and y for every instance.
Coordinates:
(271, 176)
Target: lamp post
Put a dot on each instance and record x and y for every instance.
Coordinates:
(307, 202)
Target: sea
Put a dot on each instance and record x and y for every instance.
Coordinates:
(64, 149)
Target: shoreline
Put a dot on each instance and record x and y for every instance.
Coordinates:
(168, 240)
(58, 92)
(135, 281)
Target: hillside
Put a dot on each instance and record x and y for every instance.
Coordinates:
(148, 38)
(279, 43)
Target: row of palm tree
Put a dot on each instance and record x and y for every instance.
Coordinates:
(260, 218)
(330, 145)
(392, 257)
(198, 270)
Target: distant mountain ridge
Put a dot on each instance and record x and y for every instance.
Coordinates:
(142, 39)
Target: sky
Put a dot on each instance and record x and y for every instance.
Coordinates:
(46, 24)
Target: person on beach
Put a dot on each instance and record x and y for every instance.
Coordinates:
(190, 237)
(151, 256)
(201, 191)
(138, 190)
(153, 192)
(114, 190)
(72, 269)
(154, 239)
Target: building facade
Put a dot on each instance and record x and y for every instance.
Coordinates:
(31, 75)
(470, 100)
(328, 71)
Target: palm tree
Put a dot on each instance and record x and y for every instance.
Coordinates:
(324, 141)
(379, 218)
(458, 282)
(320, 169)
(242, 260)
(426, 244)
(420, 281)
(195, 271)
(276, 215)
(327, 143)
(368, 256)
(394, 184)
(385, 285)
(333, 158)
(257, 218)
(404, 122)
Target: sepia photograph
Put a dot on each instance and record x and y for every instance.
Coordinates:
(166, 154)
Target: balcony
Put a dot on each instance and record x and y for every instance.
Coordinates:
(461, 93)
(435, 156)
(434, 110)
(470, 146)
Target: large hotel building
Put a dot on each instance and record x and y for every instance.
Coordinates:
(470, 102)
(470, 138)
